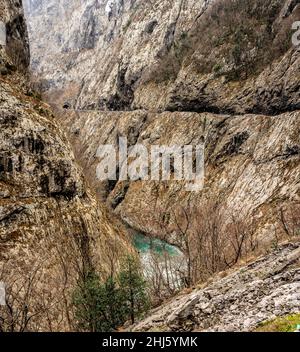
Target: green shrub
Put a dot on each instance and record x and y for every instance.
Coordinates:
(244, 34)
(104, 306)
(285, 324)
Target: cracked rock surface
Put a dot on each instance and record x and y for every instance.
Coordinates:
(162, 72)
(252, 163)
(126, 55)
(240, 301)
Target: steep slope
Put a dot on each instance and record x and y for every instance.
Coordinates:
(235, 301)
(167, 55)
(251, 171)
(52, 230)
(99, 49)
(237, 58)
(17, 46)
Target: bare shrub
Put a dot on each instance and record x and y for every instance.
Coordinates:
(234, 38)
(289, 219)
(212, 239)
(38, 288)
(165, 278)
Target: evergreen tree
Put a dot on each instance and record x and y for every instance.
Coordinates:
(102, 307)
(96, 305)
(133, 288)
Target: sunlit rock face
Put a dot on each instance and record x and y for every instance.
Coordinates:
(52, 230)
(103, 46)
(165, 55)
(251, 166)
(2, 34)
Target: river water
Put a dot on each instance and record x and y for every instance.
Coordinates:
(161, 260)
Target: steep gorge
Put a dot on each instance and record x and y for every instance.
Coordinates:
(170, 73)
(252, 160)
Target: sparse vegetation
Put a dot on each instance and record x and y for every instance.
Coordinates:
(284, 324)
(245, 35)
(71, 280)
(212, 242)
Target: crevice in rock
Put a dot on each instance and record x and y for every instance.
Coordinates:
(120, 196)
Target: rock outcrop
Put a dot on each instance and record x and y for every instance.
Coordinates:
(52, 229)
(12, 17)
(235, 301)
(252, 165)
(99, 49)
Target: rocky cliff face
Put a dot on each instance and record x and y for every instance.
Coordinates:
(103, 46)
(252, 167)
(52, 230)
(167, 55)
(159, 58)
(11, 14)
(223, 73)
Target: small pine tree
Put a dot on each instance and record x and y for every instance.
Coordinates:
(133, 288)
(102, 307)
(96, 305)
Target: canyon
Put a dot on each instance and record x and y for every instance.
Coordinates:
(114, 77)
(158, 72)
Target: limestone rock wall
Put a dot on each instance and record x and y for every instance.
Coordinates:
(104, 46)
(166, 55)
(183, 77)
(252, 164)
(184, 72)
(12, 16)
(52, 229)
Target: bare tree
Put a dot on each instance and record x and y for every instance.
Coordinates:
(289, 218)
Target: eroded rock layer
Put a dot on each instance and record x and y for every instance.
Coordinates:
(220, 72)
(252, 165)
(167, 55)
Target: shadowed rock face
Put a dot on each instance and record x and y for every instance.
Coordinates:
(11, 14)
(52, 230)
